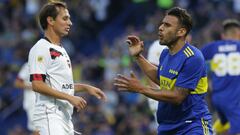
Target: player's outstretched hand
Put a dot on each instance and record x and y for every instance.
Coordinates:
(97, 93)
(136, 46)
(78, 102)
(129, 84)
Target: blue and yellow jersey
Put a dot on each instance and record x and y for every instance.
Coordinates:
(184, 69)
(223, 58)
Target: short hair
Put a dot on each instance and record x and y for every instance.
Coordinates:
(183, 16)
(229, 24)
(49, 9)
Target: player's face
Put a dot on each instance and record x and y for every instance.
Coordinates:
(168, 30)
(62, 22)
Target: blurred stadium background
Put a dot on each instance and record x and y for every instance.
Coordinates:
(96, 46)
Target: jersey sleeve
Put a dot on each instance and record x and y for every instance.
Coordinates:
(192, 71)
(207, 51)
(23, 74)
(39, 60)
(162, 56)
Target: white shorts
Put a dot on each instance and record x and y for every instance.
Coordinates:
(29, 112)
(28, 105)
(52, 121)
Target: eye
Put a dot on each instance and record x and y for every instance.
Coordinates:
(167, 24)
(66, 18)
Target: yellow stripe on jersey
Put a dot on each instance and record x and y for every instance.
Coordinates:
(167, 83)
(205, 127)
(189, 49)
(188, 52)
(185, 52)
(202, 86)
(219, 128)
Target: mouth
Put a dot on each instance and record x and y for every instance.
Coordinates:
(160, 36)
(67, 29)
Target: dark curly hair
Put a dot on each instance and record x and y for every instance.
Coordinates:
(183, 16)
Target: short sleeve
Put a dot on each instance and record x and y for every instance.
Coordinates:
(39, 60)
(23, 74)
(207, 51)
(162, 56)
(192, 71)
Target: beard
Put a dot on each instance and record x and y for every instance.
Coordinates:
(171, 42)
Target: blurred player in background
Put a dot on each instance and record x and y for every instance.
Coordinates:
(224, 60)
(23, 82)
(51, 75)
(182, 109)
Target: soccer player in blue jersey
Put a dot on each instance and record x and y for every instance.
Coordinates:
(223, 57)
(181, 75)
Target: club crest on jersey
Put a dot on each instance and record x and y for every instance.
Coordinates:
(54, 53)
(40, 58)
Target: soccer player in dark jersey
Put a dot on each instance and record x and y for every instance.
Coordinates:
(181, 75)
(223, 57)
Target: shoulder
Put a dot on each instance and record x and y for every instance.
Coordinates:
(215, 44)
(211, 44)
(25, 66)
(193, 54)
(165, 51)
(41, 46)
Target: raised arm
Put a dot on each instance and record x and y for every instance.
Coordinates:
(136, 47)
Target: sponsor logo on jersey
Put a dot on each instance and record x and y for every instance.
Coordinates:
(67, 86)
(167, 83)
(173, 72)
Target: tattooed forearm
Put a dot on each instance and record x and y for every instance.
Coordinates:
(155, 89)
(182, 91)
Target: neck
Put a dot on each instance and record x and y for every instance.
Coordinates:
(176, 46)
(52, 36)
(233, 37)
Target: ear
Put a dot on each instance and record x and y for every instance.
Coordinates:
(50, 20)
(181, 32)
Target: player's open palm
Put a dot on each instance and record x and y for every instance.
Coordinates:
(130, 84)
(78, 102)
(135, 45)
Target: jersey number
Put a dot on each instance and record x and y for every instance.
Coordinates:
(224, 64)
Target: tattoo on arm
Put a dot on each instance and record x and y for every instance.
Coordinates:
(182, 91)
(155, 88)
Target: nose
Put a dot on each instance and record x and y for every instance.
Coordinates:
(160, 28)
(70, 22)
